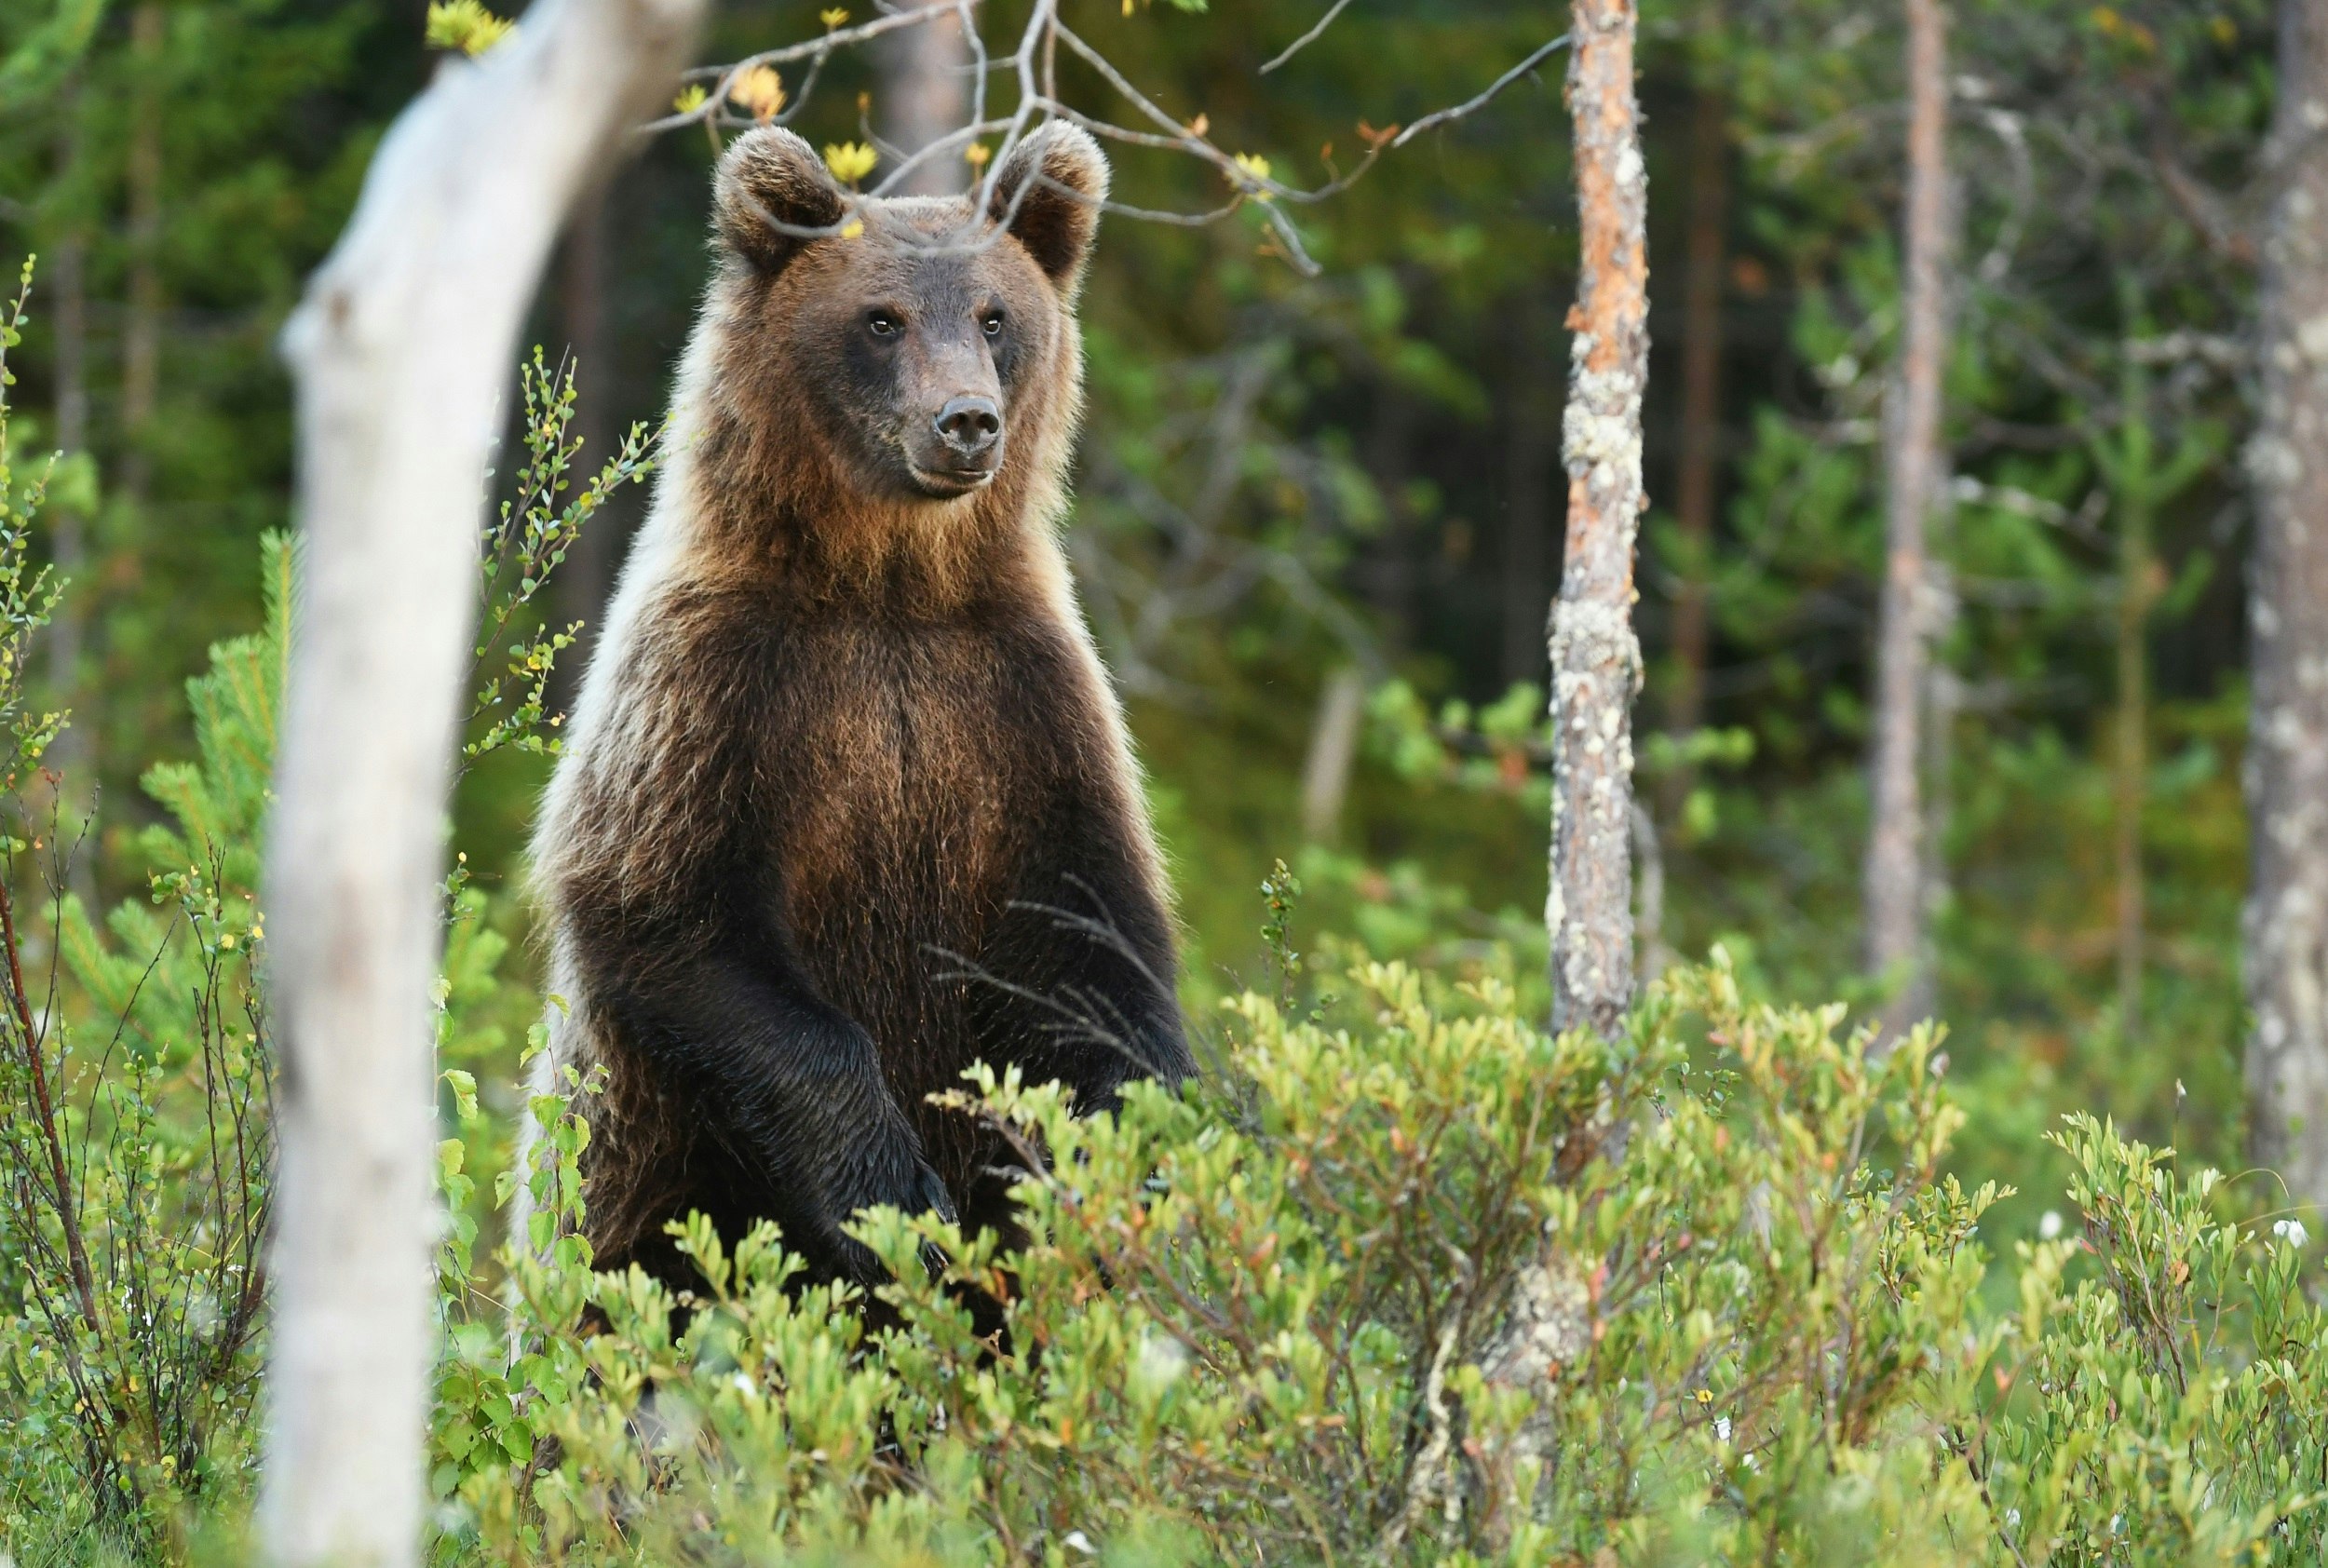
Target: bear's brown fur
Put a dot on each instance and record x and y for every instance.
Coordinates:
(847, 803)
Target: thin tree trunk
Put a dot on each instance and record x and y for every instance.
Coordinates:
(2287, 755)
(1529, 525)
(1595, 656)
(1700, 454)
(925, 94)
(142, 328)
(587, 579)
(1894, 892)
(1332, 749)
(1596, 672)
(402, 351)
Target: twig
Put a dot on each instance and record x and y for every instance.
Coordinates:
(1473, 107)
(68, 1213)
(1298, 45)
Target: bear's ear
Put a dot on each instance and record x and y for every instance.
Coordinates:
(769, 177)
(1048, 191)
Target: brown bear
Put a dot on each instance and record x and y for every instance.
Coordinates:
(847, 803)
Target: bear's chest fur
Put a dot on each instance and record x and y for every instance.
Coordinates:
(907, 771)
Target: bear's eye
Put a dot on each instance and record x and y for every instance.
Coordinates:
(993, 323)
(884, 324)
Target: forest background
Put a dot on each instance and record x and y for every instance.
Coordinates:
(1317, 523)
(1299, 497)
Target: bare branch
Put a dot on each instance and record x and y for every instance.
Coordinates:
(1298, 45)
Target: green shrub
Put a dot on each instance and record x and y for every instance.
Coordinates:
(1408, 1282)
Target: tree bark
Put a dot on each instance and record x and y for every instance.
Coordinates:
(402, 351)
(1700, 454)
(1895, 912)
(925, 94)
(2287, 752)
(1595, 656)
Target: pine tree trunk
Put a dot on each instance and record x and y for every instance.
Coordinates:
(1595, 656)
(402, 351)
(1700, 454)
(925, 94)
(1894, 890)
(2287, 756)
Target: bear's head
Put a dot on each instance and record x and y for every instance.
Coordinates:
(928, 343)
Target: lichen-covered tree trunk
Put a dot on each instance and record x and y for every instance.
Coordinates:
(1894, 907)
(1595, 656)
(401, 351)
(2287, 755)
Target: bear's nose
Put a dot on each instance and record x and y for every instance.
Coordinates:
(969, 425)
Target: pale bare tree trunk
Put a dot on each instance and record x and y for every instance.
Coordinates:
(1894, 892)
(141, 326)
(1700, 454)
(925, 94)
(402, 351)
(2287, 752)
(1333, 751)
(1595, 656)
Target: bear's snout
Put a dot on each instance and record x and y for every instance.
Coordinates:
(971, 429)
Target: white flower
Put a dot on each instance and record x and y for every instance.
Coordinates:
(1081, 1543)
(1160, 1362)
(1722, 1428)
(2012, 1519)
(2049, 1226)
(2291, 1232)
(744, 1384)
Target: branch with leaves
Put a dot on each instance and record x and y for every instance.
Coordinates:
(752, 91)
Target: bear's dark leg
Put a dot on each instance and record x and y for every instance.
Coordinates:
(790, 1087)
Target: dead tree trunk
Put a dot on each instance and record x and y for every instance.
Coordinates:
(1595, 656)
(401, 351)
(925, 94)
(1894, 889)
(2287, 753)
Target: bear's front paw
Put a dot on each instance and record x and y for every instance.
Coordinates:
(932, 1199)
